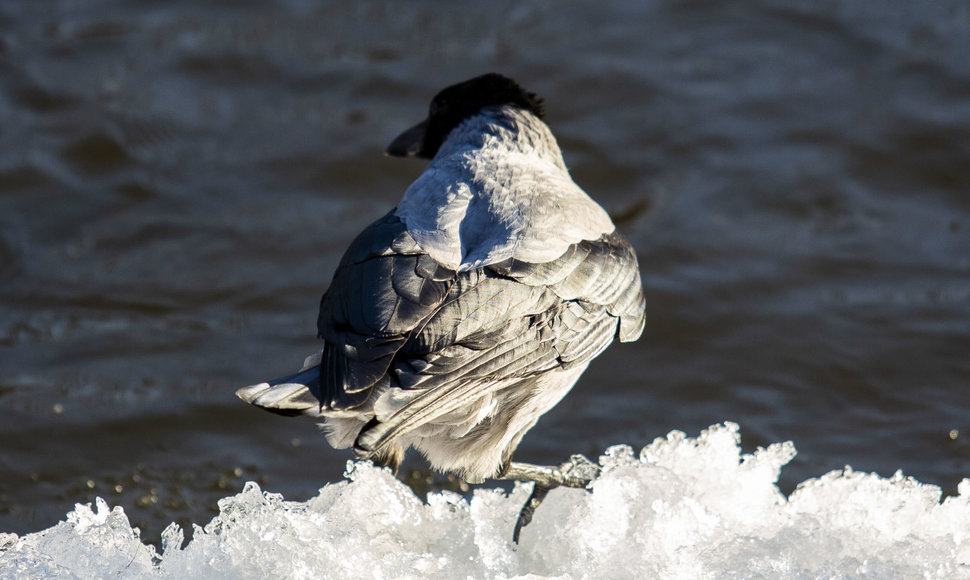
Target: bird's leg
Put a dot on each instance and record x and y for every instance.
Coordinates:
(538, 494)
(577, 472)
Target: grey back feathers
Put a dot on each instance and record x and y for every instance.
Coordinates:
(499, 189)
(456, 320)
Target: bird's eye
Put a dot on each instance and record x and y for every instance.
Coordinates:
(434, 108)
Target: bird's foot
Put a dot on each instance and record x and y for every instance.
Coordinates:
(525, 516)
(577, 472)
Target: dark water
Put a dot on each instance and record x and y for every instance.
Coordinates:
(179, 179)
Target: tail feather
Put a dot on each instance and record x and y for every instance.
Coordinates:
(289, 396)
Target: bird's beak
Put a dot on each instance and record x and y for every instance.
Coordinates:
(409, 143)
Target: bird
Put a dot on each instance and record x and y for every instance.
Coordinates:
(456, 320)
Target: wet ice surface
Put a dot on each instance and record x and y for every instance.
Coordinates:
(684, 508)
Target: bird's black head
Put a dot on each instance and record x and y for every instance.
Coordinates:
(455, 104)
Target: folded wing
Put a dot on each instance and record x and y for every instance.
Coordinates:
(426, 340)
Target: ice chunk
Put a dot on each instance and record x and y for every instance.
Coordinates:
(89, 544)
(683, 507)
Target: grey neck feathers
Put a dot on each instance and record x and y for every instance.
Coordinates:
(506, 129)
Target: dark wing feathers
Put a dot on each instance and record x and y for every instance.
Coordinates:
(584, 334)
(430, 269)
(394, 314)
(512, 354)
(480, 304)
(599, 282)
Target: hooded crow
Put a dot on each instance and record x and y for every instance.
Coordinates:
(469, 310)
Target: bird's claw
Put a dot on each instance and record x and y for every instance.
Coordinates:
(578, 471)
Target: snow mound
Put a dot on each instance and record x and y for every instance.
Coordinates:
(684, 508)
